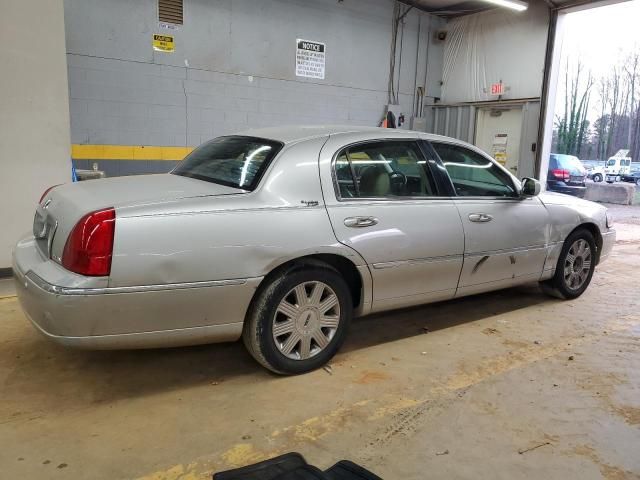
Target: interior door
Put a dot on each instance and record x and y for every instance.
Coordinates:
(506, 236)
(383, 202)
(498, 132)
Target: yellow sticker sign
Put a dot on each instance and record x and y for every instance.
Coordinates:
(501, 157)
(163, 43)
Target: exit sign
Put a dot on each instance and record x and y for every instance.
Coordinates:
(497, 89)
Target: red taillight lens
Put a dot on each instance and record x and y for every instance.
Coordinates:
(47, 191)
(561, 174)
(90, 244)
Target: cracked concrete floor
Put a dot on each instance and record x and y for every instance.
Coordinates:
(505, 385)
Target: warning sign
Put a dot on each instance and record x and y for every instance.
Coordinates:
(310, 59)
(500, 148)
(163, 43)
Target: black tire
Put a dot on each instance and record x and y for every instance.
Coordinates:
(258, 327)
(638, 182)
(558, 286)
(597, 178)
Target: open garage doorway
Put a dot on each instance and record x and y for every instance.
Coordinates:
(592, 91)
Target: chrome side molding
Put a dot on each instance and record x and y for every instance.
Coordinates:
(57, 290)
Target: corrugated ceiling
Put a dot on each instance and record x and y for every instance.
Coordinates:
(456, 8)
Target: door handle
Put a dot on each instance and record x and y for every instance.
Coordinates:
(359, 222)
(480, 217)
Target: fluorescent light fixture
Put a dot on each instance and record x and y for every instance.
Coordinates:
(518, 5)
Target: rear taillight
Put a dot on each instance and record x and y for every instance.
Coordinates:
(561, 174)
(47, 191)
(89, 247)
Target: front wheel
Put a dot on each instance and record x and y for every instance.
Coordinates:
(299, 320)
(575, 266)
(638, 182)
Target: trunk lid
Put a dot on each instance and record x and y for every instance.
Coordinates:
(63, 206)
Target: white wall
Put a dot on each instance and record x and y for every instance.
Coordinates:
(500, 44)
(34, 112)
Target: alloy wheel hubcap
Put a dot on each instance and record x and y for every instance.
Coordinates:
(306, 320)
(577, 265)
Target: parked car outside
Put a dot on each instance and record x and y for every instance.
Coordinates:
(280, 236)
(632, 177)
(566, 175)
(595, 169)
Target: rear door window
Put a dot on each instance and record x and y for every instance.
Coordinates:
(383, 169)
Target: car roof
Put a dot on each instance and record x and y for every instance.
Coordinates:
(297, 133)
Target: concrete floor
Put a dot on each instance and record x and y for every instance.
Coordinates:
(507, 385)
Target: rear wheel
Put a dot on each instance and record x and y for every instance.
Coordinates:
(638, 182)
(299, 320)
(597, 178)
(575, 266)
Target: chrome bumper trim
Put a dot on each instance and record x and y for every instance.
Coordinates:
(57, 290)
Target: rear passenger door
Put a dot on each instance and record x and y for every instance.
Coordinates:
(506, 235)
(383, 202)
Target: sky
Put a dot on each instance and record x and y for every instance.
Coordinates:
(599, 37)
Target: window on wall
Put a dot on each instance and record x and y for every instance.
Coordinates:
(383, 169)
(170, 11)
(472, 174)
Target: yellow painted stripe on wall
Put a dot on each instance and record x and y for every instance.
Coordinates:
(127, 152)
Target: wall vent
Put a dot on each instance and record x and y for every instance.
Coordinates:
(170, 11)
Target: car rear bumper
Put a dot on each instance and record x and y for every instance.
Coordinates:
(130, 317)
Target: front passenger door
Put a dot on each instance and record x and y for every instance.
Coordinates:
(506, 235)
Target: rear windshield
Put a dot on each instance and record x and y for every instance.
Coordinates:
(568, 162)
(235, 161)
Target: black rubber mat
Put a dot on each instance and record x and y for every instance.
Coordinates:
(307, 472)
(267, 470)
(293, 466)
(346, 470)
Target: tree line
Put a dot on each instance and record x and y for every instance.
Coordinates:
(615, 100)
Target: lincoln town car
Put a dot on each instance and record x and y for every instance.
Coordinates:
(280, 236)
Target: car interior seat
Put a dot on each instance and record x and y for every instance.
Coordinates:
(375, 182)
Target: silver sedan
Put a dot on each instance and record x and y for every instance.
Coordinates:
(280, 236)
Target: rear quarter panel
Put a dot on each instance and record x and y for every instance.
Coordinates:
(239, 236)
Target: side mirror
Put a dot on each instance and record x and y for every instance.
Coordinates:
(530, 187)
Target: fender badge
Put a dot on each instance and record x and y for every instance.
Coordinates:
(309, 203)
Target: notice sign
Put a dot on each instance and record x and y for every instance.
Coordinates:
(163, 43)
(310, 59)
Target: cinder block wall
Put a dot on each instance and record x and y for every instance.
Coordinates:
(233, 68)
